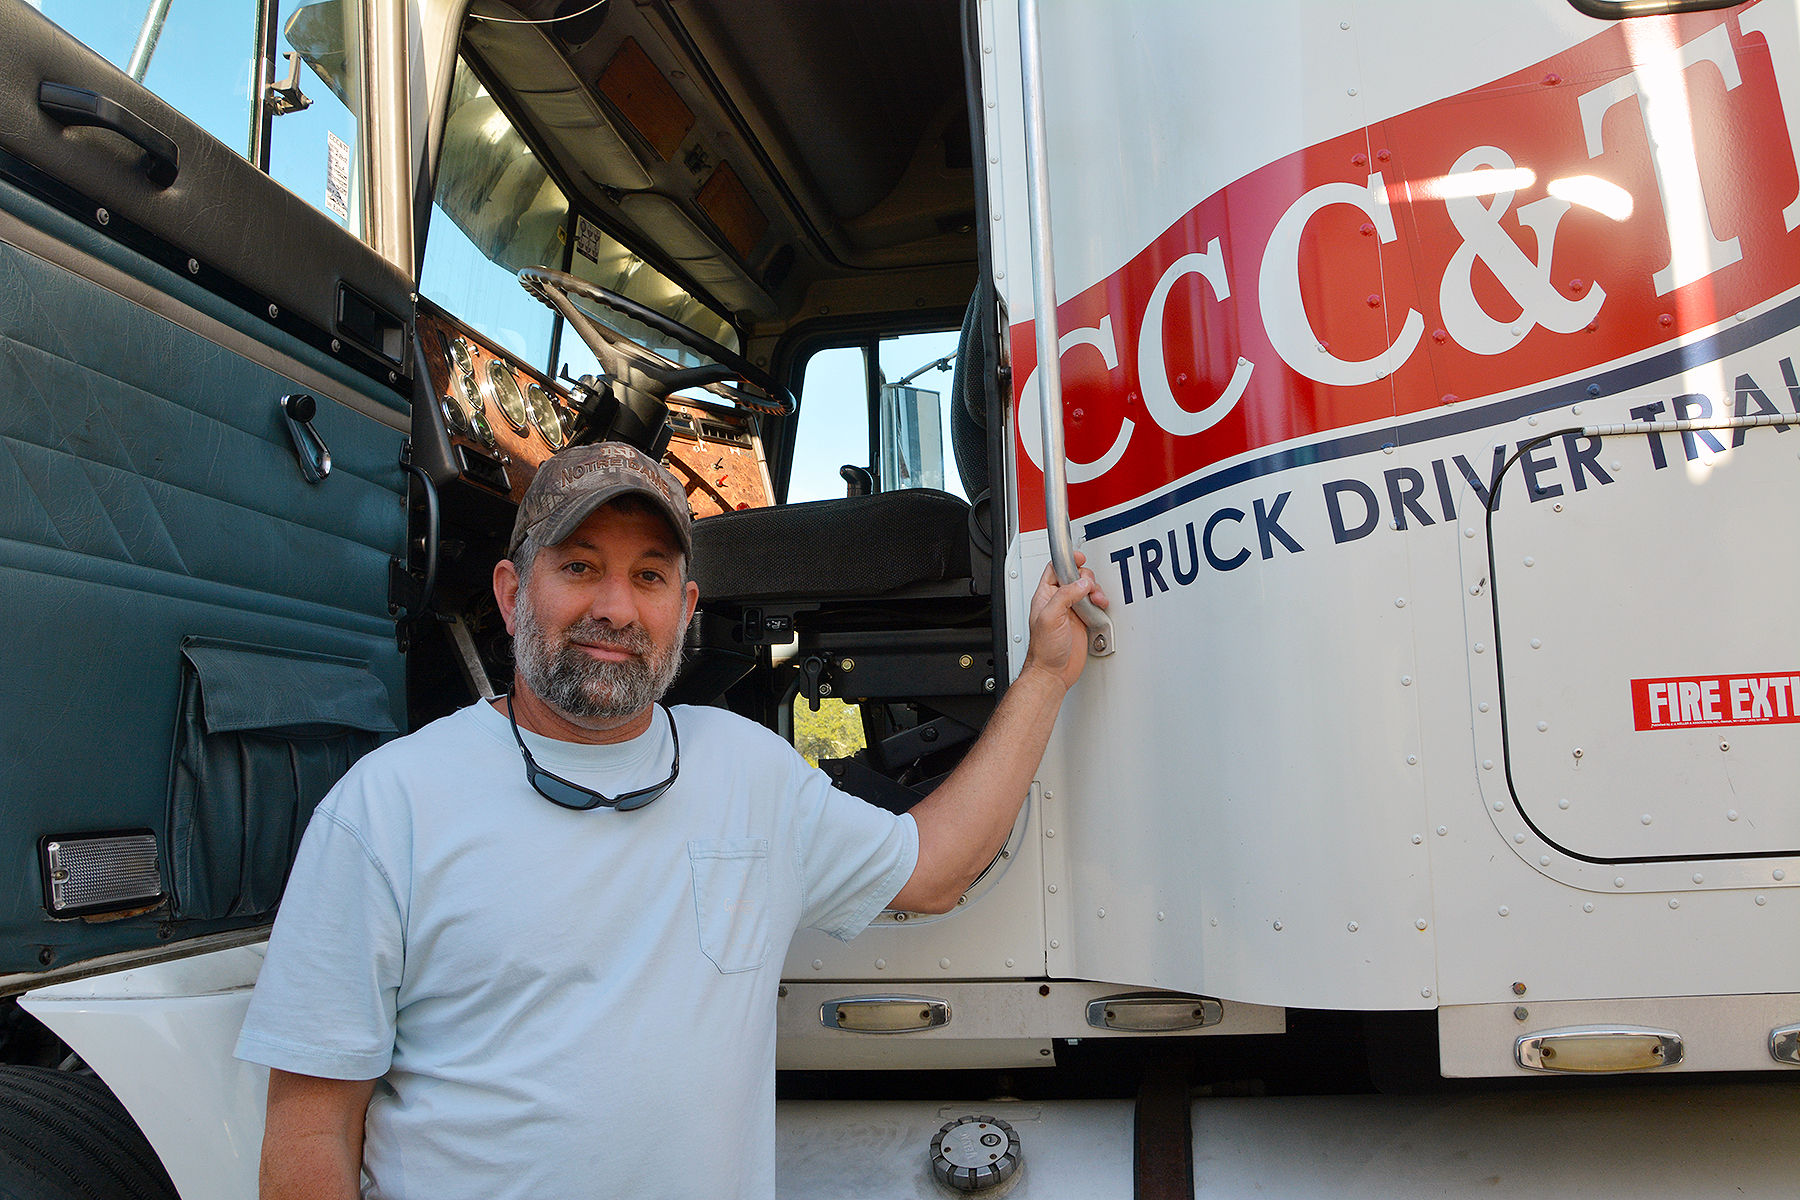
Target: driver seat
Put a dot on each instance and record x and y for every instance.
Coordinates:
(911, 542)
(915, 541)
(882, 597)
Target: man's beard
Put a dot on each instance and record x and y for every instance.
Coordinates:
(583, 687)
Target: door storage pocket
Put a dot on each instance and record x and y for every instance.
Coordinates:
(260, 737)
(731, 900)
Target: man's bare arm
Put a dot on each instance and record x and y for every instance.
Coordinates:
(964, 822)
(313, 1138)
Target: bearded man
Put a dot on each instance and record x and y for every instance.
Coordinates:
(531, 950)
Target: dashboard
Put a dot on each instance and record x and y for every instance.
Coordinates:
(505, 418)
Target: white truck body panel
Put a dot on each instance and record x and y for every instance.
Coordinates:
(161, 1036)
(1647, 1143)
(1336, 795)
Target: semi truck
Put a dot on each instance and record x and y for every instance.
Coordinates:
(1414, 377)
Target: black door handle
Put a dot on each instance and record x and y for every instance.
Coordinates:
(78, 106)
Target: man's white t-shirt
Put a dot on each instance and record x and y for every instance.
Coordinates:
(564, 1004)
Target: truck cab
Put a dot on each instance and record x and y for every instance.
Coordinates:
(1384, 805)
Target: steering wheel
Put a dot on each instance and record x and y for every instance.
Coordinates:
(646, 370)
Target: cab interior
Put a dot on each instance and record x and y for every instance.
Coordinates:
(754, 211)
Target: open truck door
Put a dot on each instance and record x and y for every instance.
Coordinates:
(206, 393)
(205, 381)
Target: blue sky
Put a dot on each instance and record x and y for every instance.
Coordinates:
(202, 66)
(834, 426)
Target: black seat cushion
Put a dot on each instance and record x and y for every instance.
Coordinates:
(857, 547)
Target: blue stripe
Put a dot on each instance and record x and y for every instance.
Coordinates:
(1621, 379)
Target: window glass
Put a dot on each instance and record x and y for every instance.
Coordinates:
(835, 731)
(196, 54)
(313, 151)
(834, 424)
(914, 448)
(201, 56)
(615, 268)
(600, 258)
(496, 211)
(915, 425)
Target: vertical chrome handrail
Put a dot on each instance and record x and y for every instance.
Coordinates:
(1049, 357)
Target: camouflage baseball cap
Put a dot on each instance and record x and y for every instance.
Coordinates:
(571, 485)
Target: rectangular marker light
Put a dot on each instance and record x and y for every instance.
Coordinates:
(1598, 1049)
(1154, 1012)
(884, 1014)
(90, 873)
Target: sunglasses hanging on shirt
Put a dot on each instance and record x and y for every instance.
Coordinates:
(561, 792)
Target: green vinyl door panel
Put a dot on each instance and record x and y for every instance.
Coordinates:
(150, 495)
(198, 642)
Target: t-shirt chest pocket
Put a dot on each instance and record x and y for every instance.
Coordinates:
(731, 901)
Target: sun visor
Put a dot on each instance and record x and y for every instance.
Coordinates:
(540, 80)
(699, 255)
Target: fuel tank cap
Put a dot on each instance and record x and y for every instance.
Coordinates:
(973, 1154)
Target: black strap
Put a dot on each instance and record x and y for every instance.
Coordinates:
(1163, 1140)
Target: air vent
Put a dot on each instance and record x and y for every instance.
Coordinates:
(723, 433)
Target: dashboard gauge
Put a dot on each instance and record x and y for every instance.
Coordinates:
(481, 431)
(459, 358)
(453, 416)
(546, 416)
(507, 397)
(463, 399)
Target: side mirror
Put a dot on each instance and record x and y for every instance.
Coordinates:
(316, 32)
(912, 439)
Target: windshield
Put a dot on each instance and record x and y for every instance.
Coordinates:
(497, 210)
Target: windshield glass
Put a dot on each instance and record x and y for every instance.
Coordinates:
(601, 258)
(497, 210)
(503, 213)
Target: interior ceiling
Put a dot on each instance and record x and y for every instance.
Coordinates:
(856, 88)
(842, 124)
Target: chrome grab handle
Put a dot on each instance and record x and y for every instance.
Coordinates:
(1043, 292)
